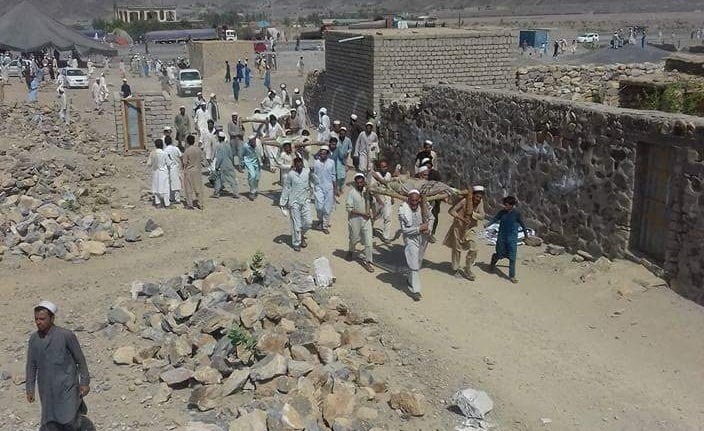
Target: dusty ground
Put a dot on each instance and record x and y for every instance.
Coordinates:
(587, 347)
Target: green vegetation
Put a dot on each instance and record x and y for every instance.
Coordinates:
(137, 29)
(256, 265)
(241, 336)
(686, 97)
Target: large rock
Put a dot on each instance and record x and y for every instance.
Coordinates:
(338, 405)
(122, 315)
(473, 403)
(206, 397)
(271, 366)
(162, 394)
(272, 342)
(222, 279)
(124, 355)
(176, 376)
(28, 202)
(235, 381)
(328, 337)
(207, 375)
(285, 419)
(95, 248)
(150, 226)
(312, 306)
(254, 421)
(408, 402)
(49, 211)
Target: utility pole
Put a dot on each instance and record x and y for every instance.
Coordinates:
(459, 20)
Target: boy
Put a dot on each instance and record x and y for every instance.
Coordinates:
(509, 220)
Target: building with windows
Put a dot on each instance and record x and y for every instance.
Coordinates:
(129, 13)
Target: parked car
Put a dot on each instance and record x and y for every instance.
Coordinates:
(588, 38)
(189, 82)
(76, 78)
(230, 35)
(14, 68)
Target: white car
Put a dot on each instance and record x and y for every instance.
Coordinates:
(76, 78)
(14, 68)
(189, 82)
(588, 38)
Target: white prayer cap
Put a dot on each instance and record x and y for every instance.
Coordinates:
(252, 136)
(203, 104)
(221, 134)
(124, 79)
(423, 169)
(283, 85)
(324, 147)
(324, 110)
(478, 189)
(413, 191)
(293, 110)
(182, 107)
(235, 114)
(428, 142)
(369, 123)
(424, 161)
(298, 102)
(167, 128)
(343, 128)
(212, 94)
(286, 142)
(296, 90)
(336, 122)
(354, 117)
(48, 305)
(358, 174)
(199, 94)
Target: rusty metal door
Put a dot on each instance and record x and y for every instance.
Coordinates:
(133, 118)
(654, 165)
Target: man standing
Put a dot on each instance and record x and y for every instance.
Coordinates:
(239, 70)
(462, 236)
(236, 131)
(295, 196)
(251, 160)
(62, 104)
(359, 220)
(95, 92)
(354, 131)
(285, 161)
(201, 119)
(367, 148)
(55, 363)
(183, 125)
(432, 175)
(302, 114)
(383, 176)
(160, 164)
(323, 125)
(236, 90)
(293, 122)
(228, 75)
(414, 222)
(125, 90)
(509, 220)
(271, 133)
(192, 179)
(123, 72)
(324, 170)
(213, 108)
(300, 66)
(175, 166)
(340, 155)
(285, 97)
(224, 165)
(209, 138)
(247, 74)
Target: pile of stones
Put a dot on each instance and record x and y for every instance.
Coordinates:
(261, 348)
(54, 205)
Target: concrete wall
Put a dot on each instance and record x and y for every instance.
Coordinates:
(390, 63)
(157, 114)
(587, 83)
(209, 56)
(572, 166)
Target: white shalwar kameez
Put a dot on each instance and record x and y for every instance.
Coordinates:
(210, 140)
(284, 161)
(324, 190)
(302, 115)
(175, 171)
(201, 120)
(387, 209)
(323, 127)
(366, 149)
(272, 132)
(160, 163)
(295, 196)
(359, 229)
(415, 241)
(96, 92)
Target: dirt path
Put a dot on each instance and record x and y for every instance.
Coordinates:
(563, 345)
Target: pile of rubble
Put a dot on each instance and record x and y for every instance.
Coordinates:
(52, 204)
(262, 348)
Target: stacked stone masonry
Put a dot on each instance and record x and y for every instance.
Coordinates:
(572, 166)
(156, 115)
(370, 66)
(587, 83)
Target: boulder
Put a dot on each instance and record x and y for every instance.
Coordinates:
(150, 226)
(207, 375)
(124, 355)
(206, 397)
(253, 421)
(162, 394)
(176, 376)
(408, 402)
(156, 233)
(271, 366)
(94, 248)
(473, 403)
(235, 381)
(338, 405)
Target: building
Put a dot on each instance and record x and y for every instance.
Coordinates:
(129, 13)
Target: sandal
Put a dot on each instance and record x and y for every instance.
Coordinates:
(368, 266)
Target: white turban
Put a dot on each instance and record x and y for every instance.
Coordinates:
(422, 169)
(413, 191)
(49, 306)
(478, 189)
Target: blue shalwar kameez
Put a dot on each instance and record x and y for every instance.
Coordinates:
(507, 240)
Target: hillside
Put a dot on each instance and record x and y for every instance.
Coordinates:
(78, 10)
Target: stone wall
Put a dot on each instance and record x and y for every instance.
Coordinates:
(572, 166)
(209, 56)
(587, 83)
(156, 115)
(390, 63)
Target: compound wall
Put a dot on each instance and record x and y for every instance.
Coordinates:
(209, 56)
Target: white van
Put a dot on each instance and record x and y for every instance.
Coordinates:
(230, 35)
(189, 82)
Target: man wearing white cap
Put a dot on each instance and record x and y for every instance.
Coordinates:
(270, 102)
(160, 164)
(415, 224)
(235, 129)
(295, 196)
(285, 97)
(213, 108)
(335, 132)
(302, 114)
(296, 97)
(201, 118)
(323, 125)
(462, 236)
(367, 148)
(293, 122)
(324, 192)
(175, 169)
(199, 101)
(57, 367)
(359, 220)
(224, 168)
(183, 125)
(251, 160)
(426, 153)
(354, 129)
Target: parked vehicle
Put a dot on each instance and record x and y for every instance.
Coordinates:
(189, 82)
(14, 68)
(588, 38)
(230, 35)
(76, 78)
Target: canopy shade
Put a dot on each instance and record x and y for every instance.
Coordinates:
(25, 28)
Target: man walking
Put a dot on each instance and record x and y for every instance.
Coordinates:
(183, 125)
(251, 160)
(228, 74)
(462, 236)
(324, 170)
(175, 167)
(359, 221)
(383, 176)
(367, 148)
(56, 364)
(224, 166)
(295, 196)
(415, 222)
(509, 220)
(192, 179)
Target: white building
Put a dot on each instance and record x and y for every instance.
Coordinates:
(144, 13)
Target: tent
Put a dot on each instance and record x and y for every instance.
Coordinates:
(25, 28)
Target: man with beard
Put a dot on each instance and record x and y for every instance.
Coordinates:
(295, 197)
(359, 220)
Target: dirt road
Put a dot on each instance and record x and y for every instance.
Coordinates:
(578, 345)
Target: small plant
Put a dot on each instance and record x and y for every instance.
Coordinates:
(241, 336)
(256, 265)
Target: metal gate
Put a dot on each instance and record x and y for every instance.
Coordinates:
(654, 165)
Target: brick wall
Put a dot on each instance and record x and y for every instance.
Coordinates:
(157, 115)
(209, 56)
(390, 63)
